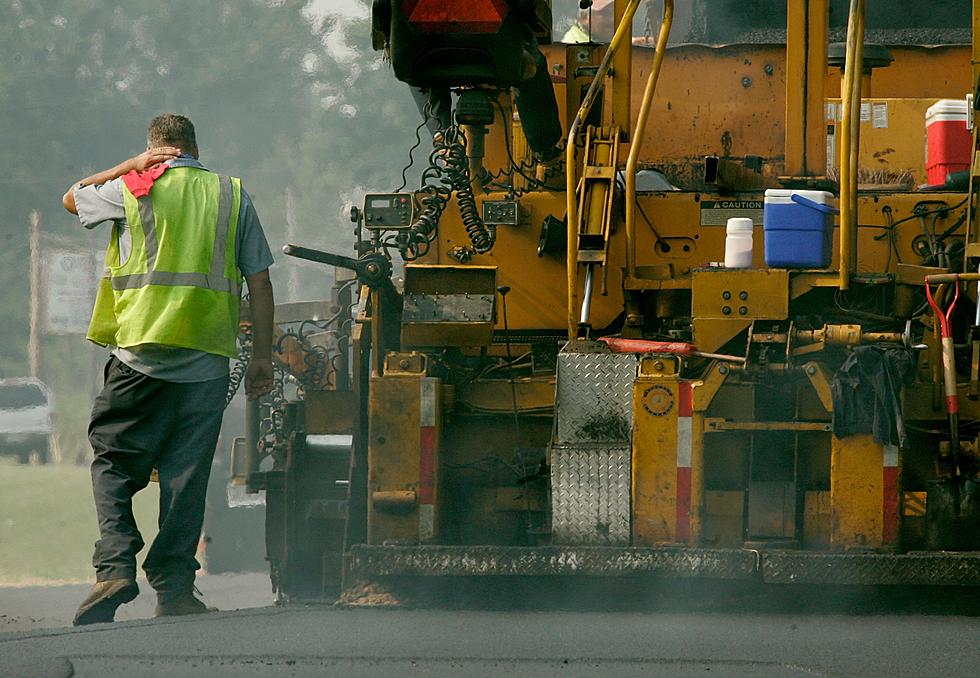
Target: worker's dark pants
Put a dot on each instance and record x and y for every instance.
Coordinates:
(139, 423)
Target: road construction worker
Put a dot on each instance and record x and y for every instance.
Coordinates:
(183, 239)
(595, 23)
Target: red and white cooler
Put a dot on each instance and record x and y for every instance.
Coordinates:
(948, 141)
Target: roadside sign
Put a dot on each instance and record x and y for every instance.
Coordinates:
(71, 280)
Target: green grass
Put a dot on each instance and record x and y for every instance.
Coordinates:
(48, 526)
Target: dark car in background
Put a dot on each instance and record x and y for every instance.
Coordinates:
(25, 420)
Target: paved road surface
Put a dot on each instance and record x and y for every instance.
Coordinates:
(326, 641)
(36, 607)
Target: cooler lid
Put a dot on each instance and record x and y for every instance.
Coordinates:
(947, 109)
(783, 195)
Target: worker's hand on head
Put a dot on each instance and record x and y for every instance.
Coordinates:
(258, 378)
(152, 157)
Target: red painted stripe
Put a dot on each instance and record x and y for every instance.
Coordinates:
(427, 471)
(889, 528)
(683, 504)
(953, 404)
(685, 398)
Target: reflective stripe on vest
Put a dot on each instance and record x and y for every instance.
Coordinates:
(215, 280)
(193, 300)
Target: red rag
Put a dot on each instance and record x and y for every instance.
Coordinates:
(140, 183)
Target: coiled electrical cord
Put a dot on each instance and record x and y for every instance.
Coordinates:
(448, 171)
(481, 236)
(435, 189)
(236, 374)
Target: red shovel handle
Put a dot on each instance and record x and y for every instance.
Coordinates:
(944, 318)
(949, 371)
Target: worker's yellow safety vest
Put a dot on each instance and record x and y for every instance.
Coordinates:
(575, 34)
(180, 285)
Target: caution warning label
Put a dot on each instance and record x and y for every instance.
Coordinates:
(718, 212)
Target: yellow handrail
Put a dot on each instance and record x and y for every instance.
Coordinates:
(637, 138)
(623, 31)
(850, 130)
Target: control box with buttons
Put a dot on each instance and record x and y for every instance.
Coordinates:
(388, 211)
(501, 212)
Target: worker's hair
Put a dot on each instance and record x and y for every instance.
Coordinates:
(170, 129)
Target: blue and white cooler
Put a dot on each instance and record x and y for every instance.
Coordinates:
(798, 227)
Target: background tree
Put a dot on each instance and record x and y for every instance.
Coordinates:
(286, 94)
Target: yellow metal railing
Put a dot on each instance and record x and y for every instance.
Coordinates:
(850, 140)
(636, 139)
(623, 32)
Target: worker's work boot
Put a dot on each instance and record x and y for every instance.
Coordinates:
(179, 604)
(102, 601)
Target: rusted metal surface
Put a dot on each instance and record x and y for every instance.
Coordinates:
(900, 22)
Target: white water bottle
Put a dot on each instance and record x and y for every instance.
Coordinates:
(738, 244)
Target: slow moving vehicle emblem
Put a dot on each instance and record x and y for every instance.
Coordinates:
(658, 400)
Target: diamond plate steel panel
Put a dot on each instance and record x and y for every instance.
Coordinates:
(594, 401)
(776, 567)
(590, 491)
(918, 569)
(434, 308)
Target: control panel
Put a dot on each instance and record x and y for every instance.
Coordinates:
(501, 212)
(388, 211)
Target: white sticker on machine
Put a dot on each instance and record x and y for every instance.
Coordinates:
(718, 212)
(880, 114)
